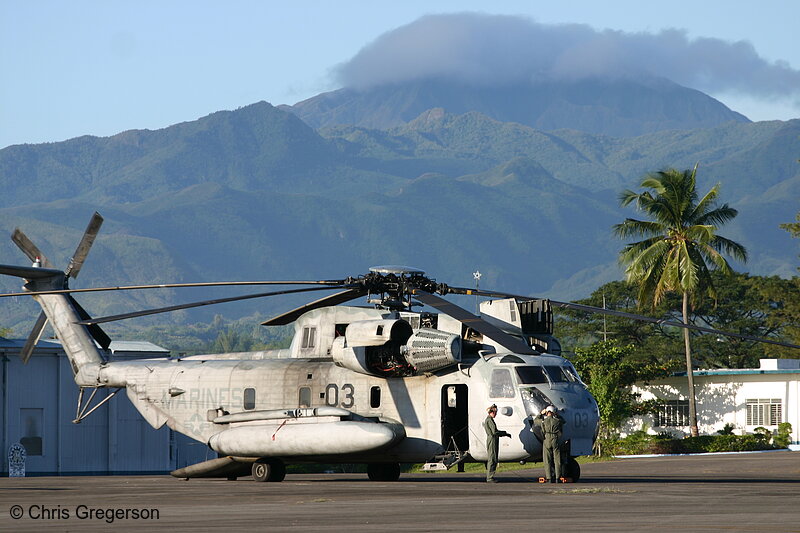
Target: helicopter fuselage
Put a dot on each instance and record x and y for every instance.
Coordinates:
(265, 403)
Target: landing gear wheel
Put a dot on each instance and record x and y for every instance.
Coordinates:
(572, 470)
(269, 470)
(383, 471)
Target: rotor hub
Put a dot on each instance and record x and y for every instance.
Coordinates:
(395, 284)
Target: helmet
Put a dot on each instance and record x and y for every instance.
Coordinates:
(550, 408)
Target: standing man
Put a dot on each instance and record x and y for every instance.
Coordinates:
(552, 426)
(492, 443)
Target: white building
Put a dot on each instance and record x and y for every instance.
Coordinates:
(745, 398)
(39, 403)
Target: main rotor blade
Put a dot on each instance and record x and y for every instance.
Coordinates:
(94, 330)
(28, 273)
(76, 262)
(333, 299)
(505, 340)
(331, 283)
(33, 338)
(29, 249)
(113, 318)
(612, 312)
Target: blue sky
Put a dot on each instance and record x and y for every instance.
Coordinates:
(82, 67)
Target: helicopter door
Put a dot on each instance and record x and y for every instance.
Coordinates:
(455, 417)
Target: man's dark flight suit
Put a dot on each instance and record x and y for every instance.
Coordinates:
(551, 453)
(492, 444)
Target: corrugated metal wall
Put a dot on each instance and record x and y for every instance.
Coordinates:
(39, 404)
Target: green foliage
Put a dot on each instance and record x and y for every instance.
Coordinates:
(640, 442)
(765, 307)
(5, 332)
(793, 227)
(783, 318)
(727, 429)
(609, 372)
(783, 437)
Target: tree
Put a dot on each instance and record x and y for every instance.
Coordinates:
(793, 228)
(680, 246)
(608, 371)
(650, 343)
(762, 307)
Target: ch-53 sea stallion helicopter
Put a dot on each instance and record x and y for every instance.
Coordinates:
(379, 385)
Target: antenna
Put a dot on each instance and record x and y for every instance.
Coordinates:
(477, 275)
(605, 331)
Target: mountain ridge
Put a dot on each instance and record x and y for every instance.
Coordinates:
(256, 193)
(621, 107)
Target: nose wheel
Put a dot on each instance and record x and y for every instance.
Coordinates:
(268, 470)
(572, 469)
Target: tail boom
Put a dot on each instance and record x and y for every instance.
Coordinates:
(84, 356)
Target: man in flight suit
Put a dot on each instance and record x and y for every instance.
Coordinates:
(492, 443)
(552, 425)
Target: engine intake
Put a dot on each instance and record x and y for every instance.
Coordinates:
(391, 348)
(430, 349)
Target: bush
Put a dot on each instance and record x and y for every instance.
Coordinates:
(784, 435)
(640, 442)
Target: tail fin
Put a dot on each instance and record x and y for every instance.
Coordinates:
(61, 310)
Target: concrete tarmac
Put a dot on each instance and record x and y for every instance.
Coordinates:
(730, 492)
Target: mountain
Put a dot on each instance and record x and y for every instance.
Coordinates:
(615, 107)
(256, 193)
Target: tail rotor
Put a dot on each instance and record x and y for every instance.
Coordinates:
(75, 264)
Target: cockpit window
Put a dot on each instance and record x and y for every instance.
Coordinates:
(531, 375)
(501, 385)
(558, 374)
(534, 375)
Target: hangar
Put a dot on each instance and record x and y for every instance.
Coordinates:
(39, 403)
(745, 398)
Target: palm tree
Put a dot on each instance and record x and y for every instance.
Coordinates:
(680, 246)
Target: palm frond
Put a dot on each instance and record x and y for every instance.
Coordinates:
(732, 248)
(718, 216)
(705, 204)
(700, 233)
(632, 227)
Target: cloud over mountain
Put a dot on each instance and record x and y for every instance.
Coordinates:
(483, 49)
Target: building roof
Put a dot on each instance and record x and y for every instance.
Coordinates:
(767, 366)
(128, 347)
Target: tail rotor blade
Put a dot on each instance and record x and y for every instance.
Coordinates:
(76, 262)
(29, 249)
(33, 338)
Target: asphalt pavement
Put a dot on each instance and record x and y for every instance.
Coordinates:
(729, 492)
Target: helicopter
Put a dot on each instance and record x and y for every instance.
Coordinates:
(381, 384)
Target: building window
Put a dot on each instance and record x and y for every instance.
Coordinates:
(249, 399)
(672, 413)
(764, 412)
(501, 385)
(309, 337)
(375, 397)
